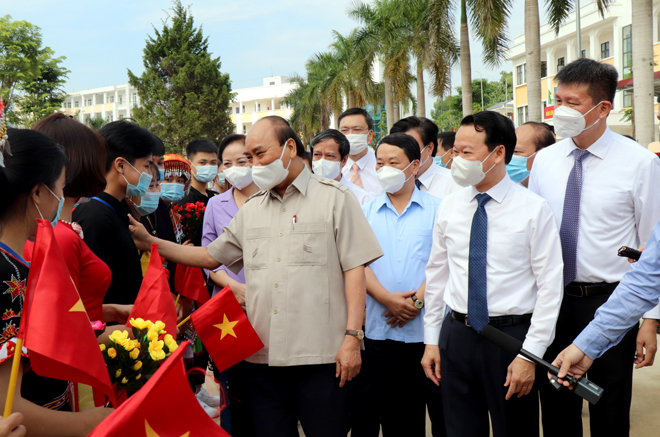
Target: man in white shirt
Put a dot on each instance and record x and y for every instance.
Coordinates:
(602, 189)
(496, 259)
(329, 154)
(432, 178)
(531, 138)
(360, 169)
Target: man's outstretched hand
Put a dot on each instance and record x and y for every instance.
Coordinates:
(571, 361)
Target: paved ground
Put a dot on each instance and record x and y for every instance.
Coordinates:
(645, 420)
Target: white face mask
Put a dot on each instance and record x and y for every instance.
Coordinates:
(239, 177)
(358, 143)
(392, 179)
(270, 175)
(326, 169)
(570, 122)
(466, 173)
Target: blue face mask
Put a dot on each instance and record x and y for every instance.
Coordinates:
(148, 204)
(438, 159)
(142, 186)
(221, 179)
(206, 173)
(53, 222)
(170, 191)
(517, 168)
(161, 171)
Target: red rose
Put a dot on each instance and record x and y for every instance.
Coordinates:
(188, 215)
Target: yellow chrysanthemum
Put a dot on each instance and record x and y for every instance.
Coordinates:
(112, 353)
(102, 346)
(120, 338)
(135, 353)
(172, 346)
(124, 380)
(156, 350)
(137, 365)
(118, 373)
(138, 377)
(152, 334)
(140, 323)
(129, 346)
(159, 326)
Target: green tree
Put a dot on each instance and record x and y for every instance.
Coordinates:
(184, 94)
(21, 61)
(305, 102)
(44, 95)
(95, 123)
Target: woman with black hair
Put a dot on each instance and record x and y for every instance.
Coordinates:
(30, 189)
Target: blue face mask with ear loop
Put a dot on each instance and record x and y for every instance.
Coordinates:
(53, 222)
(517, 167)
(142, 186)
(171, 192)
(438, 159)
(148, 203)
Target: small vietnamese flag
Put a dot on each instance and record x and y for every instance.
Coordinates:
(154, 301)
(164, 407)
(54, 325)
(189, 282)
(225, 330)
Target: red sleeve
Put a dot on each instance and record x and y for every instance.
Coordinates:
(72, 248)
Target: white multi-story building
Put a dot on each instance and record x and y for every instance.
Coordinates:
(607, 40)
(111, 103)
(116, 102)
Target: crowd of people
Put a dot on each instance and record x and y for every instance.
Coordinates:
(367, 270)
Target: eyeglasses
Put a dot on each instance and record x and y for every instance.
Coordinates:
(353, 130)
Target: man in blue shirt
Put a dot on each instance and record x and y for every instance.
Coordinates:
(637, 293)
(402, 220)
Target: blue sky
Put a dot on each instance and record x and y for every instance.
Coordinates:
(102, 38)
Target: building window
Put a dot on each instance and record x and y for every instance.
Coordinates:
(605, 50)
(627, 51)
(244, 130)
(526, 114)
(627, 99)
(521, 75)
(560, 64)
(520, 116)
(258, 107)
(70, 104)
(76, 104)
(272, 83)
(238, 110)
(111, 99)
(121, 100)
(544, 69)
(584, 53)
(243, 109)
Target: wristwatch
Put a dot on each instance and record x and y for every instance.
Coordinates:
(419, 304)
(359, 334)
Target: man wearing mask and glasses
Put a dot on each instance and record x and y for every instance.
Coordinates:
(357, 124)
(304, 243)
(495, 260)
(602, 190)
(532, 137)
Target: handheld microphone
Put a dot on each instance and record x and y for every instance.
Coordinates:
(582, 387)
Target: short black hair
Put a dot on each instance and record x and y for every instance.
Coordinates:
(229, 139)
(200, 146)
(159, 149)
(426, 129)
(35, 159)
(284, 132)
(550, 127)
(155, 173)
(403, 141)
(85, 151)
(127, 140)
(543, 136)
(601, 79)
(630, 138)
(447, 140)
(333, 134)
(499, 131)
(358, 111)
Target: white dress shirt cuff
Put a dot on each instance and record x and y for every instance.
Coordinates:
(535, 348)
(652, 314)
(432, 335)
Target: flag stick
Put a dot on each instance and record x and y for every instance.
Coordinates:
(16, 363)
(178, 296)
(183, 322)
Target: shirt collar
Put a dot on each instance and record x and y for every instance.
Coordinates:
(384, 200)
(599, 148)
(300, 183)
(498, 192)
(427, 177)
(362, 162)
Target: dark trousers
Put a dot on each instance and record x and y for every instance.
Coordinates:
(280, 396)
(240, 411)
(610, 417)
(393, 391)
(473, 374)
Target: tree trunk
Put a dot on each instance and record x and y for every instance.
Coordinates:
(466, 65)
(336, 120)
(642, 31)
(389, 104)
(533, 60)
(351, 99)
(421, 103)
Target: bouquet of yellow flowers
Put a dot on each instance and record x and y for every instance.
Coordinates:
(132, 362)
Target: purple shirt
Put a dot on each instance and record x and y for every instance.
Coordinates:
(220, 210)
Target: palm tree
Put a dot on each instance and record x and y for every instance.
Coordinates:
(642, 35)
(305, 102)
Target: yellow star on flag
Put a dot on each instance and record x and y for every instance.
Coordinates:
(226, 327)
(152, 433)
(78, 307)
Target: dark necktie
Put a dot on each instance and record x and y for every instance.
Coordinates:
(418, 184)
(477, 278)
(570, 221)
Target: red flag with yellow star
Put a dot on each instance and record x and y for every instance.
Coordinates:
(189, 282)
(54, 325)
(225, 330)
(164, 407)
(154, 301)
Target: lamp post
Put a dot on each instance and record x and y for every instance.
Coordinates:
(578, 33)
(482, 89)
